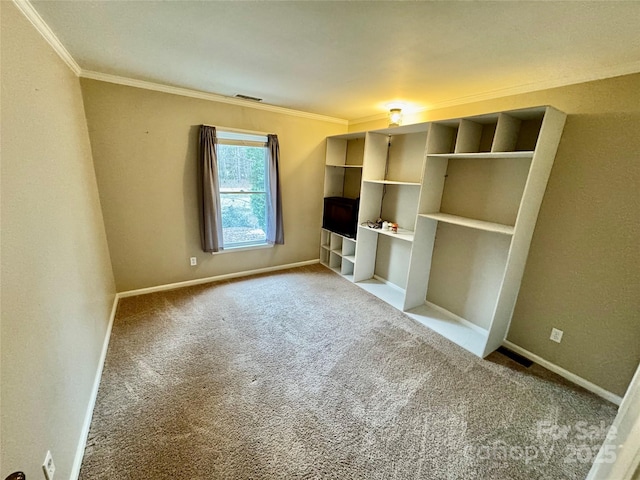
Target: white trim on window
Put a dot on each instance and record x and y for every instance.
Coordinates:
(228, 136)
(243, 248)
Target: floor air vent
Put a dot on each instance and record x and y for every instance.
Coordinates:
(525, 362)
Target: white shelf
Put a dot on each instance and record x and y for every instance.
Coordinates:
(496, 170)
(459, 331)
(338, 270)
(391, 294)
(393, 182)
(470, 222)
(338, 254)
(481, 155)
(403, 234)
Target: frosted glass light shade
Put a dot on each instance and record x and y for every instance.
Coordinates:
(395, 117)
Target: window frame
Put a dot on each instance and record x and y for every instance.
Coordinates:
(245, 139)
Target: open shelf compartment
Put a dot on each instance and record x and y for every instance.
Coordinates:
(467, 335)
(487, 187)
(380, 255)
(338, 253)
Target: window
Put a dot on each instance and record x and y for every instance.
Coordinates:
(242, 176)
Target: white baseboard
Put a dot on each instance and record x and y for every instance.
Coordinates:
(217, 278)
(572, 377)
(84, 434)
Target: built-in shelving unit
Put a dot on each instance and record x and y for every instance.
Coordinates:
(338, 253)
(466, 195)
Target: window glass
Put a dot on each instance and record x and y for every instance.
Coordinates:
(242, 173)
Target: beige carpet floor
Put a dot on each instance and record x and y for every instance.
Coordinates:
(302, 375)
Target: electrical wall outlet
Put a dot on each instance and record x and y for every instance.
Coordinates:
(556, 335)
(194, 261)
(48, 466)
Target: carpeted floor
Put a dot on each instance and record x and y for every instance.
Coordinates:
(300, 374)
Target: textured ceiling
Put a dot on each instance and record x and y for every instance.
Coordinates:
(349, 59)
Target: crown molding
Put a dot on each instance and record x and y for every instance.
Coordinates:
(187, 92)
(43, 29)
(601, 74)
(41, 26)
(373, 118)
(36, 20)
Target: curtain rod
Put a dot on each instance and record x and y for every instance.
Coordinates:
(238, 130)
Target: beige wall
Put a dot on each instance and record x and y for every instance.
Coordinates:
(583, 271)
(57, 286)
(145, 147)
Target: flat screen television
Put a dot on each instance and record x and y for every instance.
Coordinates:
(341, 215)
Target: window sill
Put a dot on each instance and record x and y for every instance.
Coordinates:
(243, 248)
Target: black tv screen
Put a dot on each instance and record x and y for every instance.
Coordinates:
(341, 215)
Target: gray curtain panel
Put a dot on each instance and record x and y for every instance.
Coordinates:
(275, 229)
(211, 214)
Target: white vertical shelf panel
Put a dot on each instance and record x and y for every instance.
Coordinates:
(548, 141)
(440, 140)
(365, 254)
(375, 156)
(469, 135)
(435, 172)
(507, 131)
(370, 202)
(420, 264)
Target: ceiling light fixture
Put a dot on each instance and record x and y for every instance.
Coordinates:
(395, 117)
